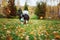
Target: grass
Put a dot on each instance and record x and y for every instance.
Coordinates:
(35, 30)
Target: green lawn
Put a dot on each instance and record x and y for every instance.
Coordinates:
(35, 30)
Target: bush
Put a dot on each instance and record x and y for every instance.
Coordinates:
(1, 16)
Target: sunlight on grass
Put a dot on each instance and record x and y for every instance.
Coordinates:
(35, 30)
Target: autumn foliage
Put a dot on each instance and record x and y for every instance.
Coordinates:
(10, 9)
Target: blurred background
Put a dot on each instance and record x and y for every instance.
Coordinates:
(52, 7)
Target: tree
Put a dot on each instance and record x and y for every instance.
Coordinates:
(40, 10)
(58, 10)
(12, 7)
(25, 6)
(10, 10)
